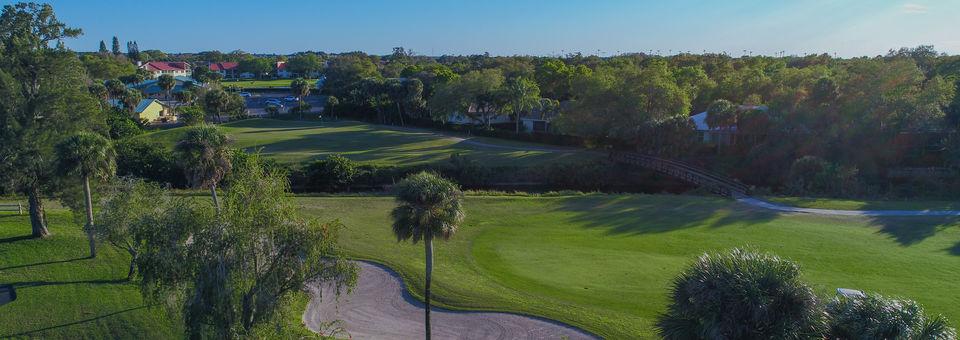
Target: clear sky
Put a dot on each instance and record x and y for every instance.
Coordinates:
(502, 27)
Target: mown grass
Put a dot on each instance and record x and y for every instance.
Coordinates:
(296, 141)
(244, 84)
(605, 262)
(63, 294)
(850, 204)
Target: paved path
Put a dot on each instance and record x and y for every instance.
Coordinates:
(381, 308)
(891, 213)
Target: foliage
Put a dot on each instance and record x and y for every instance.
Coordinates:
(877, 317)
(126, 215)
(148, 160)
(256, 65)
(121, 124)
(240, 267)
(86, 155)
(429, 207)
(204, 154)
(304, 64)
(107, 66)
(741, 295)
(346, 71)
(191, 115)
(333, 174)
(810, 175)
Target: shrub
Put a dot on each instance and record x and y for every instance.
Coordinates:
(467, 172)
(741, 295)
(148, 160)
(335, 173)
(812, 175)
(122, 124)
(191, 115)
(877, 317)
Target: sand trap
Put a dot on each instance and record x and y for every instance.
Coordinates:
(381, 308)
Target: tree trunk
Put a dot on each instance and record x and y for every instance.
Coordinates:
(518, 122)
(133, 266)
(38, 220)
(89, 200)
(428, 245)
(216, 201)
(400, 113)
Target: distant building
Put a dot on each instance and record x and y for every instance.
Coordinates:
(281, 70)
(150, 111)
(228, 69)
(173, 68)
(151, 89)
(725, 135)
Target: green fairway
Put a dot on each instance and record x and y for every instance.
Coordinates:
(605, 262)
(845, 204)
(295, 141)
(62, 294)
(245, 84)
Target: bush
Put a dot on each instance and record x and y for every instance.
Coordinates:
(122, 125)
(191, 115)
(150, 161)
(877, 317)
(812, 175)
(335, 173)
(741, 295)
(467, 172)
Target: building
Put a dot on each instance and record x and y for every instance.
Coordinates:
(281, 70)
(228, 69)
(150, 111)
(724, 135)
(151, 89)
(173, 68)
(531, 124)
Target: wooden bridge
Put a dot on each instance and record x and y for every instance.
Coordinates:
(715, 182)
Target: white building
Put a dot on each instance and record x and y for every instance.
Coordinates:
(173, 68)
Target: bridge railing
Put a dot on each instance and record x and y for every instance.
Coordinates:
(715, 182)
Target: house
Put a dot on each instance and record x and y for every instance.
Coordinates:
(281, 70)
(535, 124)
(475, 117)
(150, 111)
(228, 69)
(724, 135)
(152, 89)
(173, 68)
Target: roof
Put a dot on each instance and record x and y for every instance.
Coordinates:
(144, 104)
(700, 119)
(281, 65)
(166, 66)
(224, 66)
(150, 85)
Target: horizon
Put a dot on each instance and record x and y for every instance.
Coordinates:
(744, 27)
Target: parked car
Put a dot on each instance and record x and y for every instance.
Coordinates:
(273, 101)
(291, 98)
(246, 94)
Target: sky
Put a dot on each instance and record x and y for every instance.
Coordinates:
(521, 27)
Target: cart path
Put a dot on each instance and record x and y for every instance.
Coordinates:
(875, 213)
(381, 308)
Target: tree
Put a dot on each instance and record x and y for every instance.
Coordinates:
(130, 99)
(87, 155)
(133, 51)
(215, 102)
(192, 115)
(116, 46)
(335, 173)
(429, 207)
(722, 114)
(166, 83)
(741, 295)
(301, 89)
(330, 104)
(876, 317)
(201, 74)
(232, 278)
(43, 96)
(257, 66)
(305, 64)
(204, 154)
(346, 71)
(524, 94)
(103, 48)
(127, 215)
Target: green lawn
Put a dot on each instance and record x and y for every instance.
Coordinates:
(842, 204)
(62, 294)
(260, 83)
(605, 262)
(295, 141)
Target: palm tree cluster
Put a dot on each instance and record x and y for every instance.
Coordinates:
(748, 295)
(204, 154)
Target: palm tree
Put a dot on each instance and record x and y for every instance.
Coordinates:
(524, 94)
(741, 295)
(166, 83)
(429, 206)
(873, 316)
(204, 154)
(87, 155)
(301, 89)
(331, 103)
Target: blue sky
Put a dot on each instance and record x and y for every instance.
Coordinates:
(846, 28)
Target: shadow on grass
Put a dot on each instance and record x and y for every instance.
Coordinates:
(955, 250)
(646, 214)
(15, 239)
(28, 284)
(911, 230)
(30, 333)
(42, 263)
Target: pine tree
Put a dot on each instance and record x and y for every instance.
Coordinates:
(103, 47)
(116, 45)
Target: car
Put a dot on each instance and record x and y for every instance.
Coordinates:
(273, 101)
(291, 98)
(246, 94)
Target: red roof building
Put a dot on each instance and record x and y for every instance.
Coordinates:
(173, 68)
(228, 68)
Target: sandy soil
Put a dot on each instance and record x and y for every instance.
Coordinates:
(381, 308)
